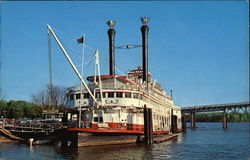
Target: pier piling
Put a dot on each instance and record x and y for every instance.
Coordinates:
(224, 119)
(193, 120)
(69, 139)
(148, 125)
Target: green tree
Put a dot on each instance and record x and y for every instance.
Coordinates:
(3, 108)
(14, 110)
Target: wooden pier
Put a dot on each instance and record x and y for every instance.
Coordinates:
(28, 129)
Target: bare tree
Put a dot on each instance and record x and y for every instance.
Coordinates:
(50, 97)
(58, 97)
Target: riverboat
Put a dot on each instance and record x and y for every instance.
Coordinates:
(113, 104)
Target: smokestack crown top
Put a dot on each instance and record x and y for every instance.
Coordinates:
(144, 20)
(111, 23)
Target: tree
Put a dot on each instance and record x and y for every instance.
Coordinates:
(3, 108)
(19, 109)
(49, 98)
(14, 109)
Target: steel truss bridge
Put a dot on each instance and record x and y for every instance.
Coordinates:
(225, 108)
(244, 106)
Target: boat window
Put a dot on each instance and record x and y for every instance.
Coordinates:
(86, 95)
(101, 119)
(95, 119)
(110, 94)
(127, 95)
(135, 95)
(103, 95)
(118, 94)
(71, 97)
(78, 96)
(97, 95)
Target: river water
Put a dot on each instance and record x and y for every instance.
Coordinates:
(208, 142)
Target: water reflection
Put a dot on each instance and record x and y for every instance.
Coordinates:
(209, 141)
(131, 151)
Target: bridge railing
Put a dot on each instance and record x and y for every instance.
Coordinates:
(215, 107)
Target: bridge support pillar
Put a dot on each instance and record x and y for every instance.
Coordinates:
(183, 120)
(193, 120)
(224, 119)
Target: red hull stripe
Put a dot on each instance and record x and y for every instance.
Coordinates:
(90, 130)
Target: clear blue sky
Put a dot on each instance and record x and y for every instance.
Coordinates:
(198, 49)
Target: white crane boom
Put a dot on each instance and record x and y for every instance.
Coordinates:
(71, 63)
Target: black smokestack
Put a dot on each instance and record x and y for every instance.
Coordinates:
(144, 32)
(111, 34)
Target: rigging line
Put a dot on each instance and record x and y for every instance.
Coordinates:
(66, 46)
(66, 39)
(90, 48)
(57, 30)
(89, 60)
(117, 69)
(73, 51)
(72, 40)
(86, 63)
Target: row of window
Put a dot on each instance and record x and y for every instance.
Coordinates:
(96, 119)
(106, 95)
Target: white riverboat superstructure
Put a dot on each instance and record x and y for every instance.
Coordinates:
(123, 99)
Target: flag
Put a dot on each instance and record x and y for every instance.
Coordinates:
(80, 40)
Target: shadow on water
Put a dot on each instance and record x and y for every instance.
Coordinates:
(125, 151)
(129, 151)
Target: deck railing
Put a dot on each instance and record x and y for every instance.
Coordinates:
(30, 126)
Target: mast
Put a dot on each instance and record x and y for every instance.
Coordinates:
(71, 63)
(97, 64)
(50, 68)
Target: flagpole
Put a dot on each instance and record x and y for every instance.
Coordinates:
(81, 91)
(83, 48)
